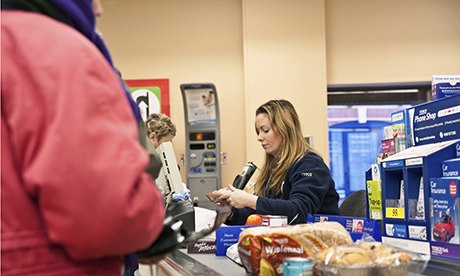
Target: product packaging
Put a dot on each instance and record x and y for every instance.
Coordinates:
(417, 232)
(445, 86)
(263, 249)
(435, 121)
(451, 168)
(357, 227)
(226, 236)
(401, 131)
(417, 206)
(374, 194)
(369, 258)
(202, 246)
(396, 230)
(445, 209)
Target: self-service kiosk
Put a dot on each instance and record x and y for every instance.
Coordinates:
(202, 157)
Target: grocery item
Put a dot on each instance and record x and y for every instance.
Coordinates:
(271, 220)
(263, 249)
(297, 266)
(368, 258)
(254, 219)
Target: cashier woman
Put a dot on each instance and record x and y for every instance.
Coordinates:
(294, 180)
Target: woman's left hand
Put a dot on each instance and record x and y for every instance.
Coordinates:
(239, 198)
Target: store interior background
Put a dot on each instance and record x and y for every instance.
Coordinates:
(256, 50)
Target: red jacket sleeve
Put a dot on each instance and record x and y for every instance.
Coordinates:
(77, 142)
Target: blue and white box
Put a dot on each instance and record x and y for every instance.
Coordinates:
(451, 168)
(445, 86)
(227, 236)
(396, 230)
(354, 225)
(401, 131)
(445, 204)
(457, 148)
(435, 121)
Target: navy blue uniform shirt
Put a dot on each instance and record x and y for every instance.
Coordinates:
(308, 188)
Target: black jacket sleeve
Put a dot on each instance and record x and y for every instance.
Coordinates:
(240, 215)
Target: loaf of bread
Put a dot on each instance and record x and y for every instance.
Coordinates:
(365, 258)
(263, 249)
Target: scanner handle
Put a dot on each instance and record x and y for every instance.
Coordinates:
(242, 179)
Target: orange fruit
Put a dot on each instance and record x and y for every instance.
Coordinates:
(254, 219)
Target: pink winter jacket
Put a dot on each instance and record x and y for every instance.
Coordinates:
(74, 193)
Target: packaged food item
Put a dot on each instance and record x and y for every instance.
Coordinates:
(270, 220)
(263, 249)
(368, 258)
(297, 266)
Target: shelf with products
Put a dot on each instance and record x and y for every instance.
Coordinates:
(416, 204)
(393, 192)
(416, 195)
(406, 192)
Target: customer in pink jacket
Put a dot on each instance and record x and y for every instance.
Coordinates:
(75, 195)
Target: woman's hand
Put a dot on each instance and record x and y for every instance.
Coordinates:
(214, 196)
(238, 198)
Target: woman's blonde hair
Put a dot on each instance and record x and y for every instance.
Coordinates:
(160, 124)
(285, 122)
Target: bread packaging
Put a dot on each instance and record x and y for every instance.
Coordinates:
(368, 258)
(262, 249)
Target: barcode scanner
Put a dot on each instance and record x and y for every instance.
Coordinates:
(243, 178)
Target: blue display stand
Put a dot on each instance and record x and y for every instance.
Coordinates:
(357, 227)
(431, 128)
(406, 215)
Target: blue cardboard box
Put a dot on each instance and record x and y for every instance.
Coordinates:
(457, 147)
(445, 204)
(451, 168)
(435, 121)
(354, 225)
(401, 130)
(227, 236)
(396, 230)
(445, 86)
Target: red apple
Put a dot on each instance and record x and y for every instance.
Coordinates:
(254, 219)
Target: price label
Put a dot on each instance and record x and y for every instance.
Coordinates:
(397, 213)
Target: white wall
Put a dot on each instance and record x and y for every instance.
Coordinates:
(185, 41)
(371, 41)
(285, 57)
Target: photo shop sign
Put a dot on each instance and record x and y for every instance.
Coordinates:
(151, 95)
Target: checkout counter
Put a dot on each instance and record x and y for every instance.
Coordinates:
(181, 263)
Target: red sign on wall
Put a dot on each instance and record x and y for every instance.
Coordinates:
(151, 95)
